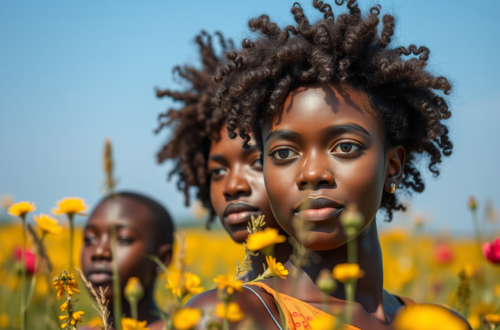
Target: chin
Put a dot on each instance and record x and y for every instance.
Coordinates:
(239, 236)
(320, 241)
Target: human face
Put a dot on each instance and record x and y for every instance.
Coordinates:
(324, 152)
(134, 233)
(237, 189)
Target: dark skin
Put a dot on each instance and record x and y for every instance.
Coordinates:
(136, 236)
(325, 151)
(237, 192)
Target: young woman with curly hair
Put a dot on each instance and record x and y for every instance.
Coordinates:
(342, 118)
(228, 178)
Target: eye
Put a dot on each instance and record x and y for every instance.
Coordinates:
(123, 240)
(89, 240)
(257, 164)
(345, 148)
(284, 154)
(217, 173)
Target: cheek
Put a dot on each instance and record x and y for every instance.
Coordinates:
(361, 182)
(132, 262)
(279, 183)
(217, 197)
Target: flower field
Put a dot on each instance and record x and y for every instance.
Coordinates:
(453, 272)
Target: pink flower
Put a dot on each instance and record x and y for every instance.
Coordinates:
(30, 259)
(443, 254)
(492, 251)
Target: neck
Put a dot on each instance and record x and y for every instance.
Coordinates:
(145, 309)
(282, 253)
(369, 288)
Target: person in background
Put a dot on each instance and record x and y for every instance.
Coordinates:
(143, 227)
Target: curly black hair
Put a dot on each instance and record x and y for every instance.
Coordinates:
(195, 124)
(256, 80)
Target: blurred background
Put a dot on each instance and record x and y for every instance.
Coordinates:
(75, 72)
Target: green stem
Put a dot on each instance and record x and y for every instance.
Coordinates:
(277, 289)
(71, 233)
(226, 321)
(324, 302)
(350, 289)
(117, 302)
(133, 309)
(479, 241)
(23, 276)
(352, 251)
(34, 277)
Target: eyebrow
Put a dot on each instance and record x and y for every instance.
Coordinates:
(345, 128)
(220, 158)
(283, 134)
(118, 226)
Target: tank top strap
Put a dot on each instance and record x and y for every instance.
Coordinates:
(265, 305)
(406, 301)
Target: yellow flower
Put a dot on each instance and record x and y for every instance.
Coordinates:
(493, 318)
(264, 238)
(190, 285)
(20, 209)
(496, 290)
(70, 205)
(65, 283)
(133, 289)
(276, 268)
(48, 224)
(347, 272)
(226, 282)
(64, 306)
(322, 323)
(428, 317)
(186, 318)
(75, 318)
(131, 324)
(232, 313)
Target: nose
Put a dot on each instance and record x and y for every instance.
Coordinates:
(102, 251)
(237, 184)
(315, 173)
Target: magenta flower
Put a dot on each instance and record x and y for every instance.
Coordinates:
(30, 259)
(492, 251)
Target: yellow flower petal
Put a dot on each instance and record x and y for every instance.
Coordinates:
(276, 268)
(186, 318)
(232, 312)
(48, 224)
(428, 317)
(70, 205)
(20, 209)
(347, 272)
(264, 238)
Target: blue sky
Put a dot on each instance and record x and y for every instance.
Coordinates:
(75, 72)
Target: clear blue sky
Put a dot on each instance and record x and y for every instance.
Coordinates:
(75, 72)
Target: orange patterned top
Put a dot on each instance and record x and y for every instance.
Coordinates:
(298, 314)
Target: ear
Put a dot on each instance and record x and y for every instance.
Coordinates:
(395, 161)
(164, 253)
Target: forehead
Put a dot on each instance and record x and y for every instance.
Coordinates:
(226, 145)
(310, 108)
(123, 210)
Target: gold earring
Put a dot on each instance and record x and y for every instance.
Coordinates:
(393, 188)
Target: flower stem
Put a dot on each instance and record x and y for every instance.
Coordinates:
(34, 277)
(350, 289)
(226, 321)
(117, 302)
(350, 286)
(133, 309)
(23, 276)
(479, 242)
(71, 233)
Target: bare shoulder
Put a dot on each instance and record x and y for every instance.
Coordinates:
(468, 327)
(250, 304)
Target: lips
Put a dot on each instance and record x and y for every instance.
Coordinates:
(238, 213)
(318, 209)
(99, 275)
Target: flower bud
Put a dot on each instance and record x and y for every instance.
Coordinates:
(325, 281)
(351, 220)
(472, 203)
(134, 290)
